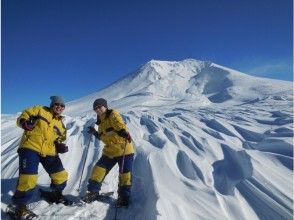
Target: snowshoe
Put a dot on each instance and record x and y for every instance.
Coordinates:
(54, 197)
(90, 197)
(96, 196)
(18, 212)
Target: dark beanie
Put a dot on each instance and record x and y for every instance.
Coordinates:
(56, 99)
(100, 102)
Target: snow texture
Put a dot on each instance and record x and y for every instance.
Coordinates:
(211, 143)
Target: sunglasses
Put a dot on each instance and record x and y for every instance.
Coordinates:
(100, 106)
(58, 104)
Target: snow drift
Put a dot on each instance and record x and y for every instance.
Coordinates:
(212, 143)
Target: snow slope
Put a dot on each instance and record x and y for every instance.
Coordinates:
(212, 143)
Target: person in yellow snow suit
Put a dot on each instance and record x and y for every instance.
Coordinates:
(41, 142)
(118, 148)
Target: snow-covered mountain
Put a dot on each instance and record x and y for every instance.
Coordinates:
(212, 143)
(202, 83)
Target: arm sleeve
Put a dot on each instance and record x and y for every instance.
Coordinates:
(118, 122)
(26, 114)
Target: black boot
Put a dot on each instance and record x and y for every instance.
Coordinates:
(91, 197)
(58, 197)
(53, 196)
(123, 201)
(20, 212)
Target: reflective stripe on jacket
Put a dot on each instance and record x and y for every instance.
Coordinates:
(110, 123)
(48, 128)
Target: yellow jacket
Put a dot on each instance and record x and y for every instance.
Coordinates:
(110, 123)
(48, 128)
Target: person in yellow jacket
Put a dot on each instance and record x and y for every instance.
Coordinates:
(41, 142)
(118, 148)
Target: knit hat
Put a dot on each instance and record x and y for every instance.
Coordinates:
(100, 102)
(56, 99)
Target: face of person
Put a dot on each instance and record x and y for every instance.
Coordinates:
(100, 110)
(58, 108)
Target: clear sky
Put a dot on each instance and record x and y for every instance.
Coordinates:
(76, 47)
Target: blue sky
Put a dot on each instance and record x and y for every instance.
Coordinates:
(74, 48)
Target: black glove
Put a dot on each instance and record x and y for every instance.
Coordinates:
(92, 130)
(61, 147)
(27, 125)
(123, 133)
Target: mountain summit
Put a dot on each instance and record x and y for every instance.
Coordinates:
(199, 83)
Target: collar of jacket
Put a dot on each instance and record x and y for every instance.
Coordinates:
(106, 114)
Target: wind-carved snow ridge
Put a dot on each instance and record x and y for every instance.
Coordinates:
(233, 169)
(211, 143)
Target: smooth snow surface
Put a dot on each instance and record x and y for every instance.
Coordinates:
(212, 143)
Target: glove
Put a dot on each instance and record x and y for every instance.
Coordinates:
(123, 133)
(92, 130)
(61, 147)
(27, 125)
